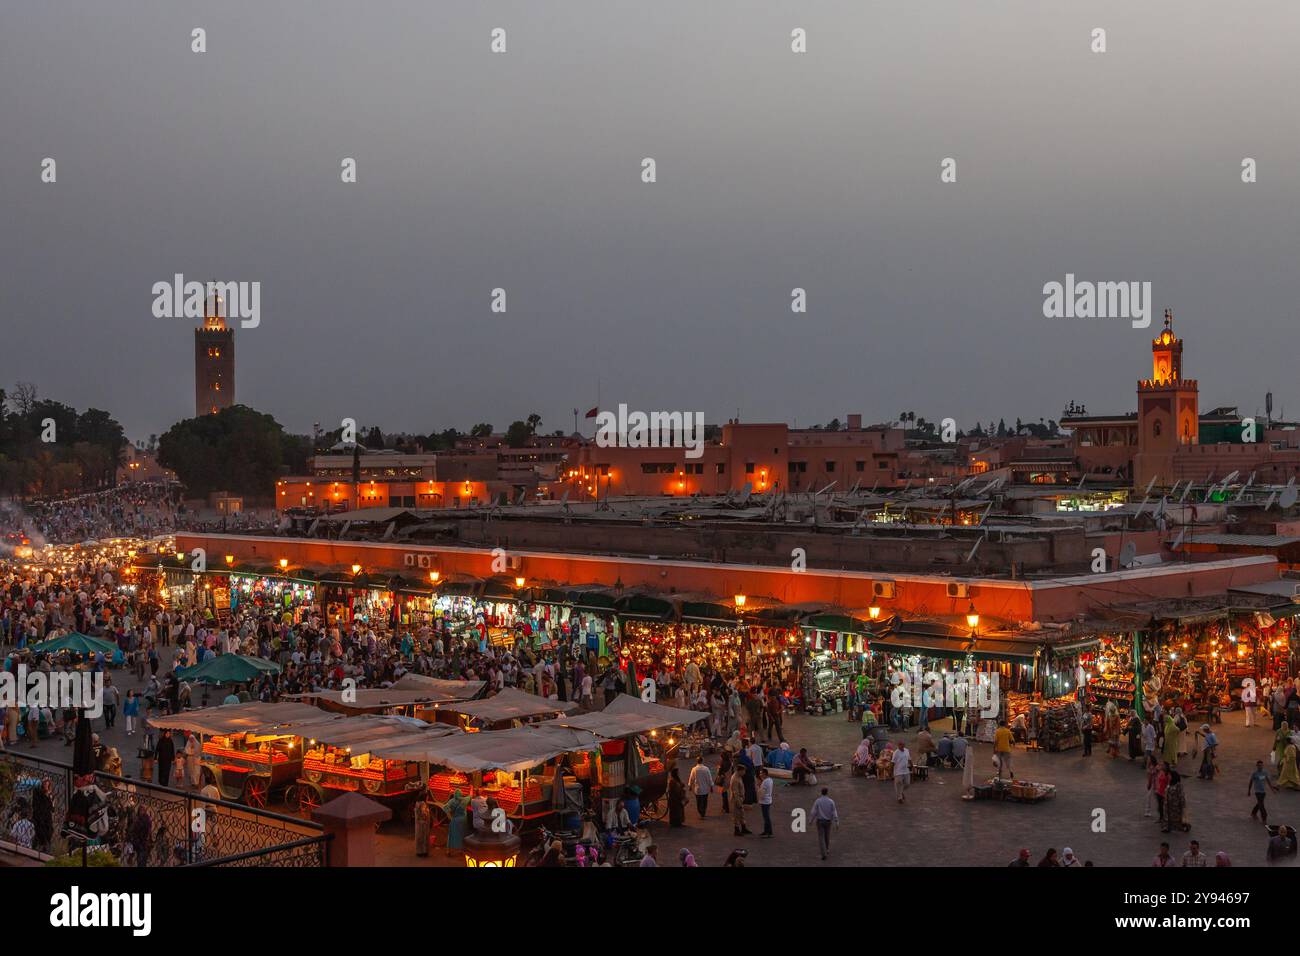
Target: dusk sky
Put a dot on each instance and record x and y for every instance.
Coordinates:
(523, 171)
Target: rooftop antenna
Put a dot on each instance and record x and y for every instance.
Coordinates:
(978, 541)
(985, 514)
(1185, 491)
(1249, 481)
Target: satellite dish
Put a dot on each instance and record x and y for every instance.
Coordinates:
(1288, 496)
(1127, 554)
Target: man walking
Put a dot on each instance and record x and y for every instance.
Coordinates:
(1258, 783)
(824, 814)
(765, 787)
(902, 771)
(1002, 743)
(700, 783)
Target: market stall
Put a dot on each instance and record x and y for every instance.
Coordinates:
(250, 752)
(501, 710)
(341, 756)
(518, 769)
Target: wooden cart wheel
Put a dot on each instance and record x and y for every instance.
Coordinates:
(654, 810)
(256, 790)
(207, 776)
(308, 798)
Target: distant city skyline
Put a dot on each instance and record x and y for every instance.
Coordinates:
(522, 171)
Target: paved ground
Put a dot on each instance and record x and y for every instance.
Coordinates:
(936, 827)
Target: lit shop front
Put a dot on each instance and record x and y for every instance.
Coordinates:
(264, 592)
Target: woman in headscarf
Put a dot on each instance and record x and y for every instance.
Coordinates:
(746, 764)
(1134, 737)
(1280, 741)
(1287, 775)
(1175, 804)
(1221, 859)
(687, 858)
(676, 799)
(862, 761)
(455, 810)
(1170, 752)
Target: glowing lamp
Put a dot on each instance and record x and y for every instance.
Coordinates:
(740, 600)
(520, 581)
(491, 850)
(434, 576)
(972, 618)
(284, 563)
(230, 559)
(180, 555)
(873, 612)
(356, 569)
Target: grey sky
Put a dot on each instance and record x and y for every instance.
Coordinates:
(522, 170)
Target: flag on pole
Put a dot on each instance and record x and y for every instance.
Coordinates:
(593, 413)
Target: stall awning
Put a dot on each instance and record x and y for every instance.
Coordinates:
(510, 704)
(376, 698)
(449, 689)
(614, 721)
(628, 704)
(592, 597)
(645, 607)
(500, 589)
(511, 751)
(363, 734)
(252, 718)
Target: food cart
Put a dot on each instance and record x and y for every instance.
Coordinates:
(250, 752)
(523, 769)
(339, 757)
(639, 749)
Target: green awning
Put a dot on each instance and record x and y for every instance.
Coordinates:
(707, 612)
(645, 607)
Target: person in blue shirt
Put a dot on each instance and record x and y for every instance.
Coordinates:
(781, 757)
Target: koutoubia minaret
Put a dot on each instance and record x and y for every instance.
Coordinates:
(1168, 417)
(214, 360)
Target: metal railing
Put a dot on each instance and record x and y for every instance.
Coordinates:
(151, 825)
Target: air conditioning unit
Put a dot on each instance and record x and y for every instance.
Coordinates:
(958, 589)
(882, 589)
(514, 562)
(426, 560)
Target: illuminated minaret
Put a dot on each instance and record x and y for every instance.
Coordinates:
(1168, 416)
(214, 360)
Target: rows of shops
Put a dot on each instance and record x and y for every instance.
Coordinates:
(1192, 654)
